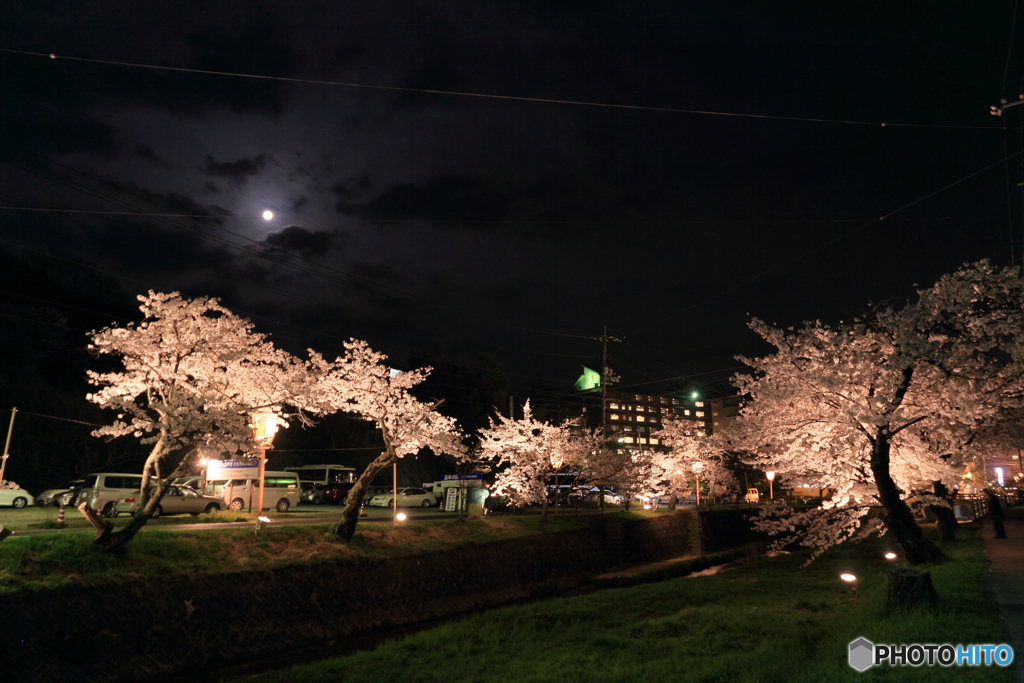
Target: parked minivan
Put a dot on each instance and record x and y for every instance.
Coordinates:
(102, 490)
(241, 494)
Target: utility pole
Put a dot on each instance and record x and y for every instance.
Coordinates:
(7, 445)
(606, 377)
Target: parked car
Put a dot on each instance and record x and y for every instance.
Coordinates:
(17, 498)
(337, 492)
(411, 497)
(102, 490)
(753, 496)
(372, 491)
(62, 495)
(177, 500)
(312, 493)
(610, 497)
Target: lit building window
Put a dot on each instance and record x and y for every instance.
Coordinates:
(627, 439)
(654, 442)
(614, 416)
(664, 399)
(613, 406)
(699, 404)
(675, 401)
(686, 412)
(642, 440)
(700, 413)
(641, 418)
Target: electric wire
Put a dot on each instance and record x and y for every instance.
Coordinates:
(822, 245)
(515, 98)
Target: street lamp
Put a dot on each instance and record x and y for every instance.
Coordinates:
(771, 482)
(264, 428)
(697, 467)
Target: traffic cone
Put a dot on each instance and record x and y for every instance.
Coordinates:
(362, 510)
(60, 516)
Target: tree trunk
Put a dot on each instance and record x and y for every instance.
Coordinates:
(909, 587)
(102, 526)
(346, 528)
(944, 515)
(897, 516)
(115, 541)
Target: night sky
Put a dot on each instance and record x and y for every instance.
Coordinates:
(741, 173)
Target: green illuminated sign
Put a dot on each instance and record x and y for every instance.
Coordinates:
(588, 380)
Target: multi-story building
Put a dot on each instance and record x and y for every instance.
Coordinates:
(724, 411)
(633, 418)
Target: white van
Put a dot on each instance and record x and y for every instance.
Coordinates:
(103, 489)
(242, 494)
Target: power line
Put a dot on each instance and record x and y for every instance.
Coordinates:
(515, 98)
(807, 252)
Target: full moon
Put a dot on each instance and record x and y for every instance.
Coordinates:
(268, 214)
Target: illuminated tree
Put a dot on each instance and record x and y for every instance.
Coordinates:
(360, 383)
(524, 452)
(192, 375)
(691, 457)
(886, 405)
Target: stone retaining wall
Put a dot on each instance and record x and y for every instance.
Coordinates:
(141, 629)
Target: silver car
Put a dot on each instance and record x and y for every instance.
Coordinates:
(177, 500)
(62, 495)
(411, 497)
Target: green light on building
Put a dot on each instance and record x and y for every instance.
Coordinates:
(588, 381)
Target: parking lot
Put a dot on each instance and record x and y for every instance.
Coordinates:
(40, 519)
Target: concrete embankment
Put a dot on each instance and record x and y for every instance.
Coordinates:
(147, 628)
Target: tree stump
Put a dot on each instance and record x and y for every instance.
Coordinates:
(908, 587)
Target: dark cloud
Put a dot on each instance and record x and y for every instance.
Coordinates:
(451, 197)
(144, 248)
(146, 152)
(47, 132)
(176, 202)
(237, 172)
(299, 240)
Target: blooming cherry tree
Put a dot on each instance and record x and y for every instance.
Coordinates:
(193, 375)
(360, 383)
(524, 452)
(691, 457)
(876, 409)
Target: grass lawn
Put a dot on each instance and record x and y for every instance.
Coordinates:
(49, 560)
(767, 621)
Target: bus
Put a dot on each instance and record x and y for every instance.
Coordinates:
(325, 475)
